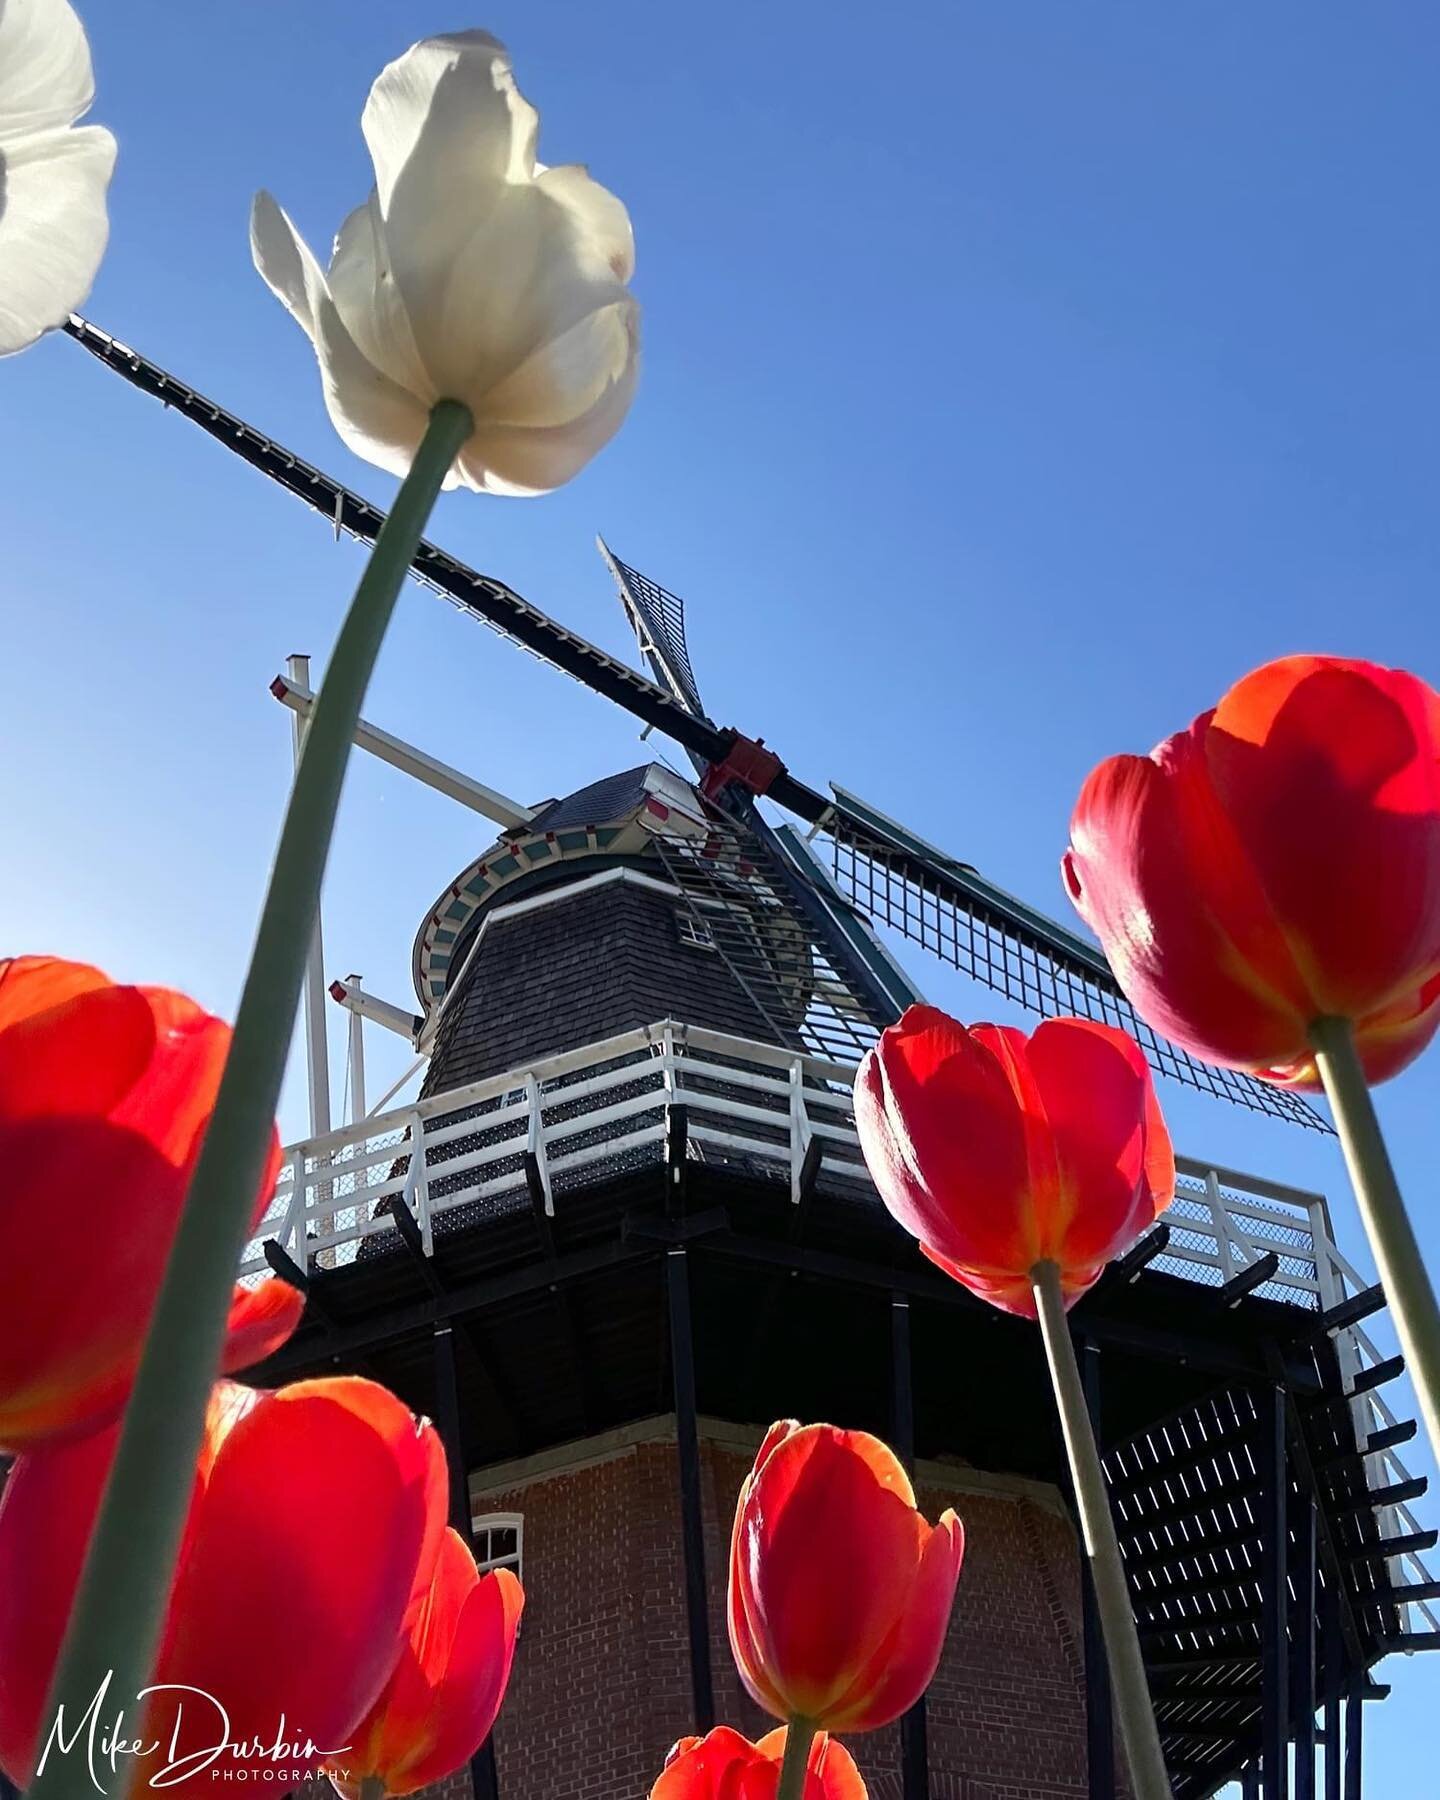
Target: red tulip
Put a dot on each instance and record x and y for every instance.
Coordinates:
(439, 1705)
(725, 1766)
(998, 1152)
(314, 1526)
(1277, 863)
(840, 1593)
(105, 1093)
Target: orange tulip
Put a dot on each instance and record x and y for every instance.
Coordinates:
(840, 1593)
(105, 1093)
(314, 1526)
(998, 1152)
(725, 1766)
(1277, 863)
(440, 1704)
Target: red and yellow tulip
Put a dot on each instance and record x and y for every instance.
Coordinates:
(441, 1702)
(105, 1094)
(723, 1765)
(999, 1152)
(1276, 864)
(840, 1592)
(315, 1521)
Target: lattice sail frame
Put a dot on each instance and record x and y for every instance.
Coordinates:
(945, 911)
(772, 950)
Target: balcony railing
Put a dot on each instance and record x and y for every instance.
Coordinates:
(587, 1114)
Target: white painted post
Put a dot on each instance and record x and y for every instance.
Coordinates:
(357, 1055)
(535, 1140)
(799, 1128)
(1222, 1226)
(317, 1059)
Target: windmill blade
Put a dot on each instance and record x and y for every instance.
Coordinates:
(657, 617)
(481, 596)
(896, 879)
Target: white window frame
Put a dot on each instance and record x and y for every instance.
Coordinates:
(500, 1521)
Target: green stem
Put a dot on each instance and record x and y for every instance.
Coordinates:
(1102, 1547)
(115, 1623)
(372, 1787)
(1387, 1225)
(799, 1736)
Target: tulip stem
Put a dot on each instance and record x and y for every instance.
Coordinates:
(1102, 1547)
(1382, 1210)
(114, 1628)
(799, 1736)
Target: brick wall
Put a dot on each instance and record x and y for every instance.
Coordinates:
(601, 1684)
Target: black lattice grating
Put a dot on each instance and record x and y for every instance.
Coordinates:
(768, 943)
(1005, 954)
(659, 617)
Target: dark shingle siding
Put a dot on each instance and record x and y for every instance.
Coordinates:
(575, 972)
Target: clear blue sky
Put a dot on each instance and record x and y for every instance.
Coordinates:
(1016, 376)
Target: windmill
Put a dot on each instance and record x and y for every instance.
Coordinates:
(1264, 1512)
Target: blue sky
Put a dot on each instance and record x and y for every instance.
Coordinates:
(1016, 377)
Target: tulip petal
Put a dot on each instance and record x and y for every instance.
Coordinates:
(53, 227)
(904, 1667)
(374, 415)
(362, 285)
(46, 1511)
(535, 459)
(1096, 1094)
(447, 118)
(1330, 773)
(71, 1041)
(46, 78)
(86, 1215)
(946, 1141)
(1156, 871)
(476, 1676)
(601, 217)
(262, 1318)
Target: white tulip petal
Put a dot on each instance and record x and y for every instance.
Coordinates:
(374, 415)
(284, 260)
(601, 216)
(526, 275)
(453, 142)
(53, 227)
(566, 378)
(363, 287)
(46, 79)
(448, 113)
(523, 460)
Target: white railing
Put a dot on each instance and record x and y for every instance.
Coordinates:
(591, 1108)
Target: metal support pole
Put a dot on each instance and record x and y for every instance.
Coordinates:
(1251, 1780)
(484, 1776)
(1275, 1597)
(317, 1053)
(357, 1056)
(1354, 1738)
(914, 1737)
(1099, 1706)
(692, 1524)
(1303, 1659)
(1334, 1664)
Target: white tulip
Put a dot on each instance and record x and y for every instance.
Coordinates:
(472, 273)
(53, 177)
